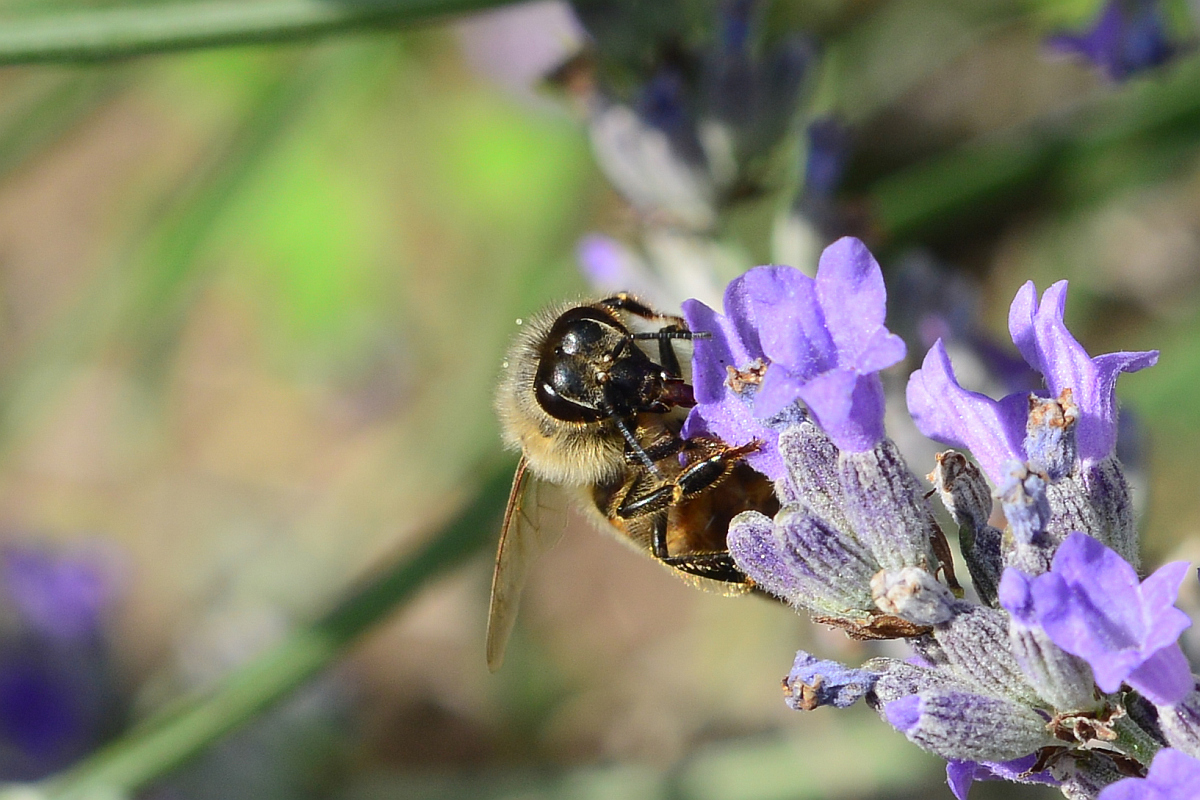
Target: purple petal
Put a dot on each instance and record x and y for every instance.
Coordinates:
(1091, 605)
(849, 287)
(1164, 621)
(904, 714)
(848, 406)
(960, 775)
(1044, 341)
(732, 420)
(711, 357)
(1164, 678)
(993, 431)
(779, 389)
(1173, 776)
(783, 304)
(1020, 324)
(1016, 597)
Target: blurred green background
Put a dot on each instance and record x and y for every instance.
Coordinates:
(253, 300)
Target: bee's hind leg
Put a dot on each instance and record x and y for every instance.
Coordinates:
(718, 566)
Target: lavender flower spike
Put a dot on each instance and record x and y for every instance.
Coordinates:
(1173, 776)
(826, 341)
(1091, 605)
(1047, 345)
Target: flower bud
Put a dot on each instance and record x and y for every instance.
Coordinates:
(805, 561)
(912, 594)
(971, 727)
(886, 507)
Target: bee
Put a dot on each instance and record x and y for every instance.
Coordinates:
(592, 412)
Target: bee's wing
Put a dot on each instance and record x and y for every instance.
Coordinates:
(527, 532)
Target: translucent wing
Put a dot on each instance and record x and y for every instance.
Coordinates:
(531, 527)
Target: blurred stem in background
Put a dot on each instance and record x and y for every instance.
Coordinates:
(108, 33)
(176, 734)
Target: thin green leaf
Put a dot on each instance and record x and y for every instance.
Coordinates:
(102, 34)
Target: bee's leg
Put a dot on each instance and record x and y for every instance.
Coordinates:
(693, 479)
(714, 566)
(663, 447)
(675, 328)
(621, 301)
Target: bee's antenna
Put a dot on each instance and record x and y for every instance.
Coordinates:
(660, 335)
(636, 446)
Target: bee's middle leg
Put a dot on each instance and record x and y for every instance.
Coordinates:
(638, 500)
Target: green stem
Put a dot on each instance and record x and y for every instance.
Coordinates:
(109, 33)
(1134, 741)
(164, 743)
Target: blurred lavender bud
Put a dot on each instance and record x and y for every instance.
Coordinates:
(976, 645)
(813, 683)
(805, 561)
(1061, 679)
(1180, 724)
(912, 594)
(1128, 37)
(965, 494)
(886, 507)
(1050, 434)
(968, 727)
(812, 479)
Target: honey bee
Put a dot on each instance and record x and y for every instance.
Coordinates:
(592, 412)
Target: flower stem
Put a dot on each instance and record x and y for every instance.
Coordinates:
(1134, 741)
(163, 743)
(107, 33)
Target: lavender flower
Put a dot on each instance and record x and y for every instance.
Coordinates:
(995, 430)
(1128, 37)
(961, 774)
(1047, 346)
(789, 337)
(1091, 605)
(1172, 776)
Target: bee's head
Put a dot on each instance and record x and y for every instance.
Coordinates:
(590, 370)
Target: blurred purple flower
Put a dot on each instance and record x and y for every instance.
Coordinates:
(1173, 776)
(961, 774)
(57, 698)
(1091, 605)
(59, 596)
(1128, 37)
(994, 430)
(822, 341)
(828, 149)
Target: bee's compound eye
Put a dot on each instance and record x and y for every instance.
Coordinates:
(561, 392)
(581, 335)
